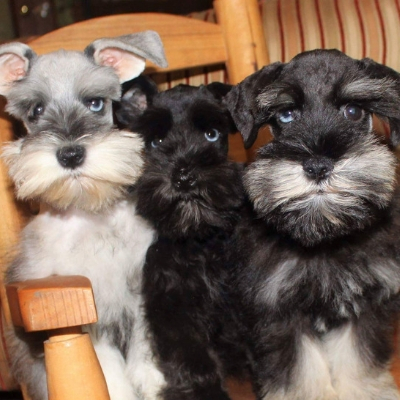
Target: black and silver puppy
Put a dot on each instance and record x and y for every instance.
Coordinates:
(318, 270)
(192, 194)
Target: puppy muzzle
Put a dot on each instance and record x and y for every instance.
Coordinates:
(183, 179)
(71, 157)
(318, 168)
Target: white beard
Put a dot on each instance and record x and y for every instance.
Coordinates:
(109, 248)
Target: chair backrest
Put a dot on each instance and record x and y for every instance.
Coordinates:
(236, 42)
(188, 42)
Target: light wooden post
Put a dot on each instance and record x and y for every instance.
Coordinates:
(85, 380)
(60, 305)
(241, 23)
(244, 37)
(10, 226)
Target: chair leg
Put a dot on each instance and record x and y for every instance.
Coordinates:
(70, 358)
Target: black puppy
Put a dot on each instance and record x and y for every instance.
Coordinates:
(192, 194)
(318, 275)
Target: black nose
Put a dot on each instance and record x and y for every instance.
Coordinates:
(183, 179)
(71, 156)
(318, 168)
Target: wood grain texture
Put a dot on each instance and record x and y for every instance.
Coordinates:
(243, 35)
(73, 370)
(188, 42)
(52, 303)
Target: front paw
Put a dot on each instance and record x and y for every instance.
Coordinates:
(148, 382)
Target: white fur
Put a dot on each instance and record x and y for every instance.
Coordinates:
(331, 368)
(113, 161)
(352, 378)
(148, 381)
(108, 248)
(114, 369)
(288, 186)
(311, 376)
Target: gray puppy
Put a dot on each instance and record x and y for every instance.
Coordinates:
(318, 257)
(79, 166)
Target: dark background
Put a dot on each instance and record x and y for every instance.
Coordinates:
(36, 17)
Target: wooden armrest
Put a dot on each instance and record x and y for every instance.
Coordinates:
(52, 303)
(59, 305)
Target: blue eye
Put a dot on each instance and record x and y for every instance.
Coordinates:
(286, 116)
(212, 135)
(156, 142)
(95, 105)
(353, 112)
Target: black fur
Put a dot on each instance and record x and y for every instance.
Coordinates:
(319, 249)
(192, 194)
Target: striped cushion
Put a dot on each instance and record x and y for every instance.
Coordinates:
(360, 28)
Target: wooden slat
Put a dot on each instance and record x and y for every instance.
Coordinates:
(244, 38)
(73, 370)
(11, 216)
(188, 42)
(52, 303)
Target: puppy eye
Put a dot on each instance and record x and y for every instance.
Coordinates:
(286, 116)
(95, 105)
(156, 142)
(212, 135)
(38, 110)
(353, 112)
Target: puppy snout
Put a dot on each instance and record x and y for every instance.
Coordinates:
(183, 179)
(318, 168)
(71, 156)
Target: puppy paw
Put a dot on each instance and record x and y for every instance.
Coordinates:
(148, 382)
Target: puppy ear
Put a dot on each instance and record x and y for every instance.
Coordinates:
(219, 90)
(242, 101)
(127, 54)
(15, 59)
(386, 101)
(137, 95)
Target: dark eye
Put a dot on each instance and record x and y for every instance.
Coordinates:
(95, 105)
(156, 142)
(353, 112)
(286, 116)
(38, 110)
(212, 135)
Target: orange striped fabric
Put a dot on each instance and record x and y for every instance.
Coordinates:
(360, 28)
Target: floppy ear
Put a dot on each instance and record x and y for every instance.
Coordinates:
(387, 104)
(15, 59)
(242, 101)
(219, 91)
(127, 54)
(137, 95)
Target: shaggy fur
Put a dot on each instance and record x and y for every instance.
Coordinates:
(79, 167)
(318, 257)
(192, 195)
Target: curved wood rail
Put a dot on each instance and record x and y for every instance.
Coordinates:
(188, 42)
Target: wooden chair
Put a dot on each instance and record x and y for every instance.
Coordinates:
(188, 43)
(366, 28)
